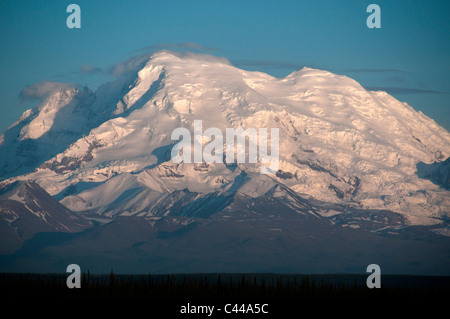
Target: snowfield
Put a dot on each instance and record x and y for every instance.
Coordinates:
(108, 151)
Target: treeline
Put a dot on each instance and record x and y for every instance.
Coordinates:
(212, 287)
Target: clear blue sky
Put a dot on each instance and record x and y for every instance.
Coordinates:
(408, 56)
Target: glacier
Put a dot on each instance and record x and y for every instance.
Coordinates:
(362, 177)
(339, 143)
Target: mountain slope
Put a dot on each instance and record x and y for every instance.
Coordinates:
(27, 209)
(335, 144)
(250, 235)
(358, 171)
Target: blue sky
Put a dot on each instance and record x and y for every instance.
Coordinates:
(408, 56)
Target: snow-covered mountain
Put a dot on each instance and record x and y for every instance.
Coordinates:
(107, 151)
(349, 157)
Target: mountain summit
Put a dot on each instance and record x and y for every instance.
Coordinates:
(347, 155)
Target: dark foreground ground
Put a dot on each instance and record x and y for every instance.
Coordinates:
(286, 296)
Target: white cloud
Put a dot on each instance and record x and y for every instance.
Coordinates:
(89, 69)
(128, 66)
(41, 90)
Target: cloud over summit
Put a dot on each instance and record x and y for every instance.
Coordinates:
(43, 89)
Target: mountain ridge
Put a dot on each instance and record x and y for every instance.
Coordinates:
(313, 109)
(350, 164)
